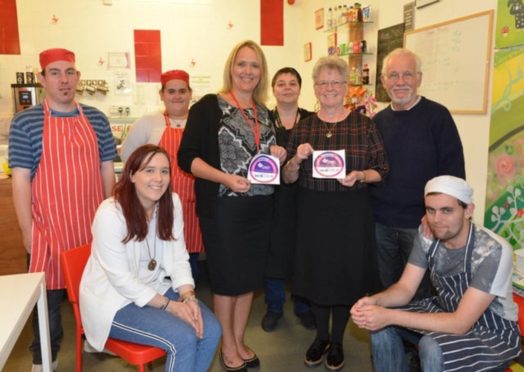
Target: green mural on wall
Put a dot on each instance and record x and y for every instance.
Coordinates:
(510, 23)
(505, 184)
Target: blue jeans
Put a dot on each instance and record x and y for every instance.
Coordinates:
(56, 332)
(388, 351)
(151, 326)
(275, 297)
(393, 249)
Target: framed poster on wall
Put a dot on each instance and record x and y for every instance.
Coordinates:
(307, 52)
(319, 19)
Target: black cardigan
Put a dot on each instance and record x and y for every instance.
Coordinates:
(200, 140)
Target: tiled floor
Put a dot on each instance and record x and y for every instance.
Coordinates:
(280, 350)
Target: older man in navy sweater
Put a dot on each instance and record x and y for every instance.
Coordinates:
(422, 142)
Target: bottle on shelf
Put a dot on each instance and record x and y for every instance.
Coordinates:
(330, 18)
(351, 14)
(353, 76)
(363, 46)
(358, 11)
(365, 74)
(356, 47)
(341, 15)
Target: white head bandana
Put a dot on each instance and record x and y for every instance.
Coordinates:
(452, 186)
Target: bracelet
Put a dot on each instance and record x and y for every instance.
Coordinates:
(290, 163)
(164, 307)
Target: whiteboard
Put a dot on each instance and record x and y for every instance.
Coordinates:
(455, 59)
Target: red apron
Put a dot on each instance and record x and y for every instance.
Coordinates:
(66, 191)
(183, 184)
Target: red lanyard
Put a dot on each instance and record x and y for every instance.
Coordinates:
(255, 128)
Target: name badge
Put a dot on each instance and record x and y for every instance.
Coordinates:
(264, 169)
(329, 164)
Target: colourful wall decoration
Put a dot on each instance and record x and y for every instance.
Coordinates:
(505, 184)
(272, 22)
(9, 37)
(510, 23)
(148, 56)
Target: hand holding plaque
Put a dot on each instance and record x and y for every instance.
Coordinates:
(264, 169)
(329, 164)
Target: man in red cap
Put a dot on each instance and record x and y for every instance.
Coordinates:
(165, 129)
(61, 154)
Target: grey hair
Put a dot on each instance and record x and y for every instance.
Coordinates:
(331, 63)
(401, 51)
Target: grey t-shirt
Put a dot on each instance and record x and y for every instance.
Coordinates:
(491, 266)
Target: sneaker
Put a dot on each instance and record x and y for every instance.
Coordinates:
(335, 357)
(40, 368)
(90, 349)
(307, 319)
(270, 321)
(315, 353)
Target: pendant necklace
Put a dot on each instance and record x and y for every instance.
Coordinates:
(329, 133)
(152, 262)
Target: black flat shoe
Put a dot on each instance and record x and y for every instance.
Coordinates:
(307, 319)
(270, 321)
(335, 357)
(316, 351)
(253, 362)
(240, 368)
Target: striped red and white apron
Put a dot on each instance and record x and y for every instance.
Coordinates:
(492, 341)
(66, 191)
(183, 184)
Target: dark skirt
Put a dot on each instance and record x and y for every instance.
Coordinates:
(236, 241)
(283, 233)
(335, 256)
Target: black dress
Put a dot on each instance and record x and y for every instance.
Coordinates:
(335, 256)
(235, 226)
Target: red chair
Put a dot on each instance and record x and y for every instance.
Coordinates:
(73, 263)
(520, 304)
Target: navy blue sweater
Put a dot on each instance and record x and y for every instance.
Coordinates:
(421, 143)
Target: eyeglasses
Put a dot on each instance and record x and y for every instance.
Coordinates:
(407, 76)
(334, 83)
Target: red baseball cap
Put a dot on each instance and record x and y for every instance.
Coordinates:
(174, 74)
(56, 54)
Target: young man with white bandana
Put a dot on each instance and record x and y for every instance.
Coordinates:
(471, 324)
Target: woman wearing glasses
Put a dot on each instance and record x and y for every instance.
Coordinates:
(334, 260)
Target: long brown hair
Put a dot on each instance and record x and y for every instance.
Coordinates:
(125, 194)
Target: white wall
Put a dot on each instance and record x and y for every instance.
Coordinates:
(197, 29)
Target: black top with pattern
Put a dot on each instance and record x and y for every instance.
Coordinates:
(237, 147)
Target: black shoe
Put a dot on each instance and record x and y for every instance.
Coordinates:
(270, 321)
(335, 357)
(315, 353)
(240, 368)
(307, 319)
(253, 362)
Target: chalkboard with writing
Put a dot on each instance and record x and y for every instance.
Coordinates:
(455, 59)
(388, 39)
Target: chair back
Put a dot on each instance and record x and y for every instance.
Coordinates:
(73, 264)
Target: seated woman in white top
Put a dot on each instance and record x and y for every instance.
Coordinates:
(137, 285)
